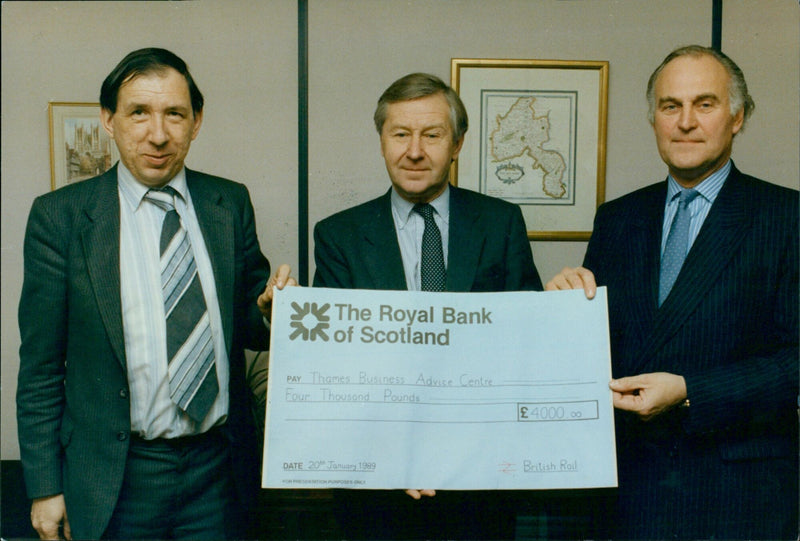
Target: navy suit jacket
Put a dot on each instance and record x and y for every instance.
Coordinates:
(488, 251)
(730, 327)
(72, 400)
(488, 248)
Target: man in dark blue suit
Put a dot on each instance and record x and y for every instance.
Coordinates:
(376, 245)
(110, 447)
(481, 245)
(704, 349)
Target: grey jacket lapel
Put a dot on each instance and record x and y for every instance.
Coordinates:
(100, 240)
(216, 223)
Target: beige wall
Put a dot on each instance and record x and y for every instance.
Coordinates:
(762, 36)
(243, 54)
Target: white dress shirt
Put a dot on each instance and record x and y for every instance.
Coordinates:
(153, 414)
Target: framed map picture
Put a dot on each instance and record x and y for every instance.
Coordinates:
(79, 146)
(537, 138)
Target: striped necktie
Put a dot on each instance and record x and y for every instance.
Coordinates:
(192, 371)
(677, 245)
(433, 275)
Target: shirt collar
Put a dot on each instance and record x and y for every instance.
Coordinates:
(709, 188)
(402, 209)
(134, 191)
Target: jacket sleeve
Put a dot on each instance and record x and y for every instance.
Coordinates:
(255, 275)
(43, 329)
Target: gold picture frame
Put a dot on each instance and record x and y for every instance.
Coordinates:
(538, 139)
(79, 146)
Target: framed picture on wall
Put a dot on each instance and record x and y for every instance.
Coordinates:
(79, 146)
(537, 138)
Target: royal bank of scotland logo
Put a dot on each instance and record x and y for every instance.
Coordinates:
(310, 321)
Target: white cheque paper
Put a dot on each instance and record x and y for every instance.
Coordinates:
(398, 389)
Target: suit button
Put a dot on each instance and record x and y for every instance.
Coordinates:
(122, 436)
(123, 393)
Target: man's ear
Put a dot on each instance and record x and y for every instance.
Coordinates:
(457, 149)
(105, 119)
(738, 121)
(198, 120)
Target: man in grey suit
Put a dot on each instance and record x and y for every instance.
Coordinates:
(142, 287)
(704, 349)
(424, 234)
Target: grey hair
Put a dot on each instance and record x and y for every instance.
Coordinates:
(420, 85)
(738, 96)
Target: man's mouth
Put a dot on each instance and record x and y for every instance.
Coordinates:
(157, 159)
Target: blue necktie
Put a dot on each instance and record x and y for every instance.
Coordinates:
(192, 371)
(432, 272)
(677, 245)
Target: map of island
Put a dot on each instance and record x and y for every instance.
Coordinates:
(521, 132)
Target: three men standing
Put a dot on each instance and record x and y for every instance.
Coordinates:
(121, 437)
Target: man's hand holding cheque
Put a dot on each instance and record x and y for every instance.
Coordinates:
(646, 395)
(279, 280)
(574, 278)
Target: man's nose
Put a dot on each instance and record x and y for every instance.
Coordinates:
(415, 147)
(687, 119)
(157, 134)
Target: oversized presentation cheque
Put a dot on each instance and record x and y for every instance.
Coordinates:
(461, 391)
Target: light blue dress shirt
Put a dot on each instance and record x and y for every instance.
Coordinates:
(698, 208)
(410, 226)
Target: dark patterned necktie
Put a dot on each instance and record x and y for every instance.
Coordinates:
(677, 245)
(432, 272)
(190, 351)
